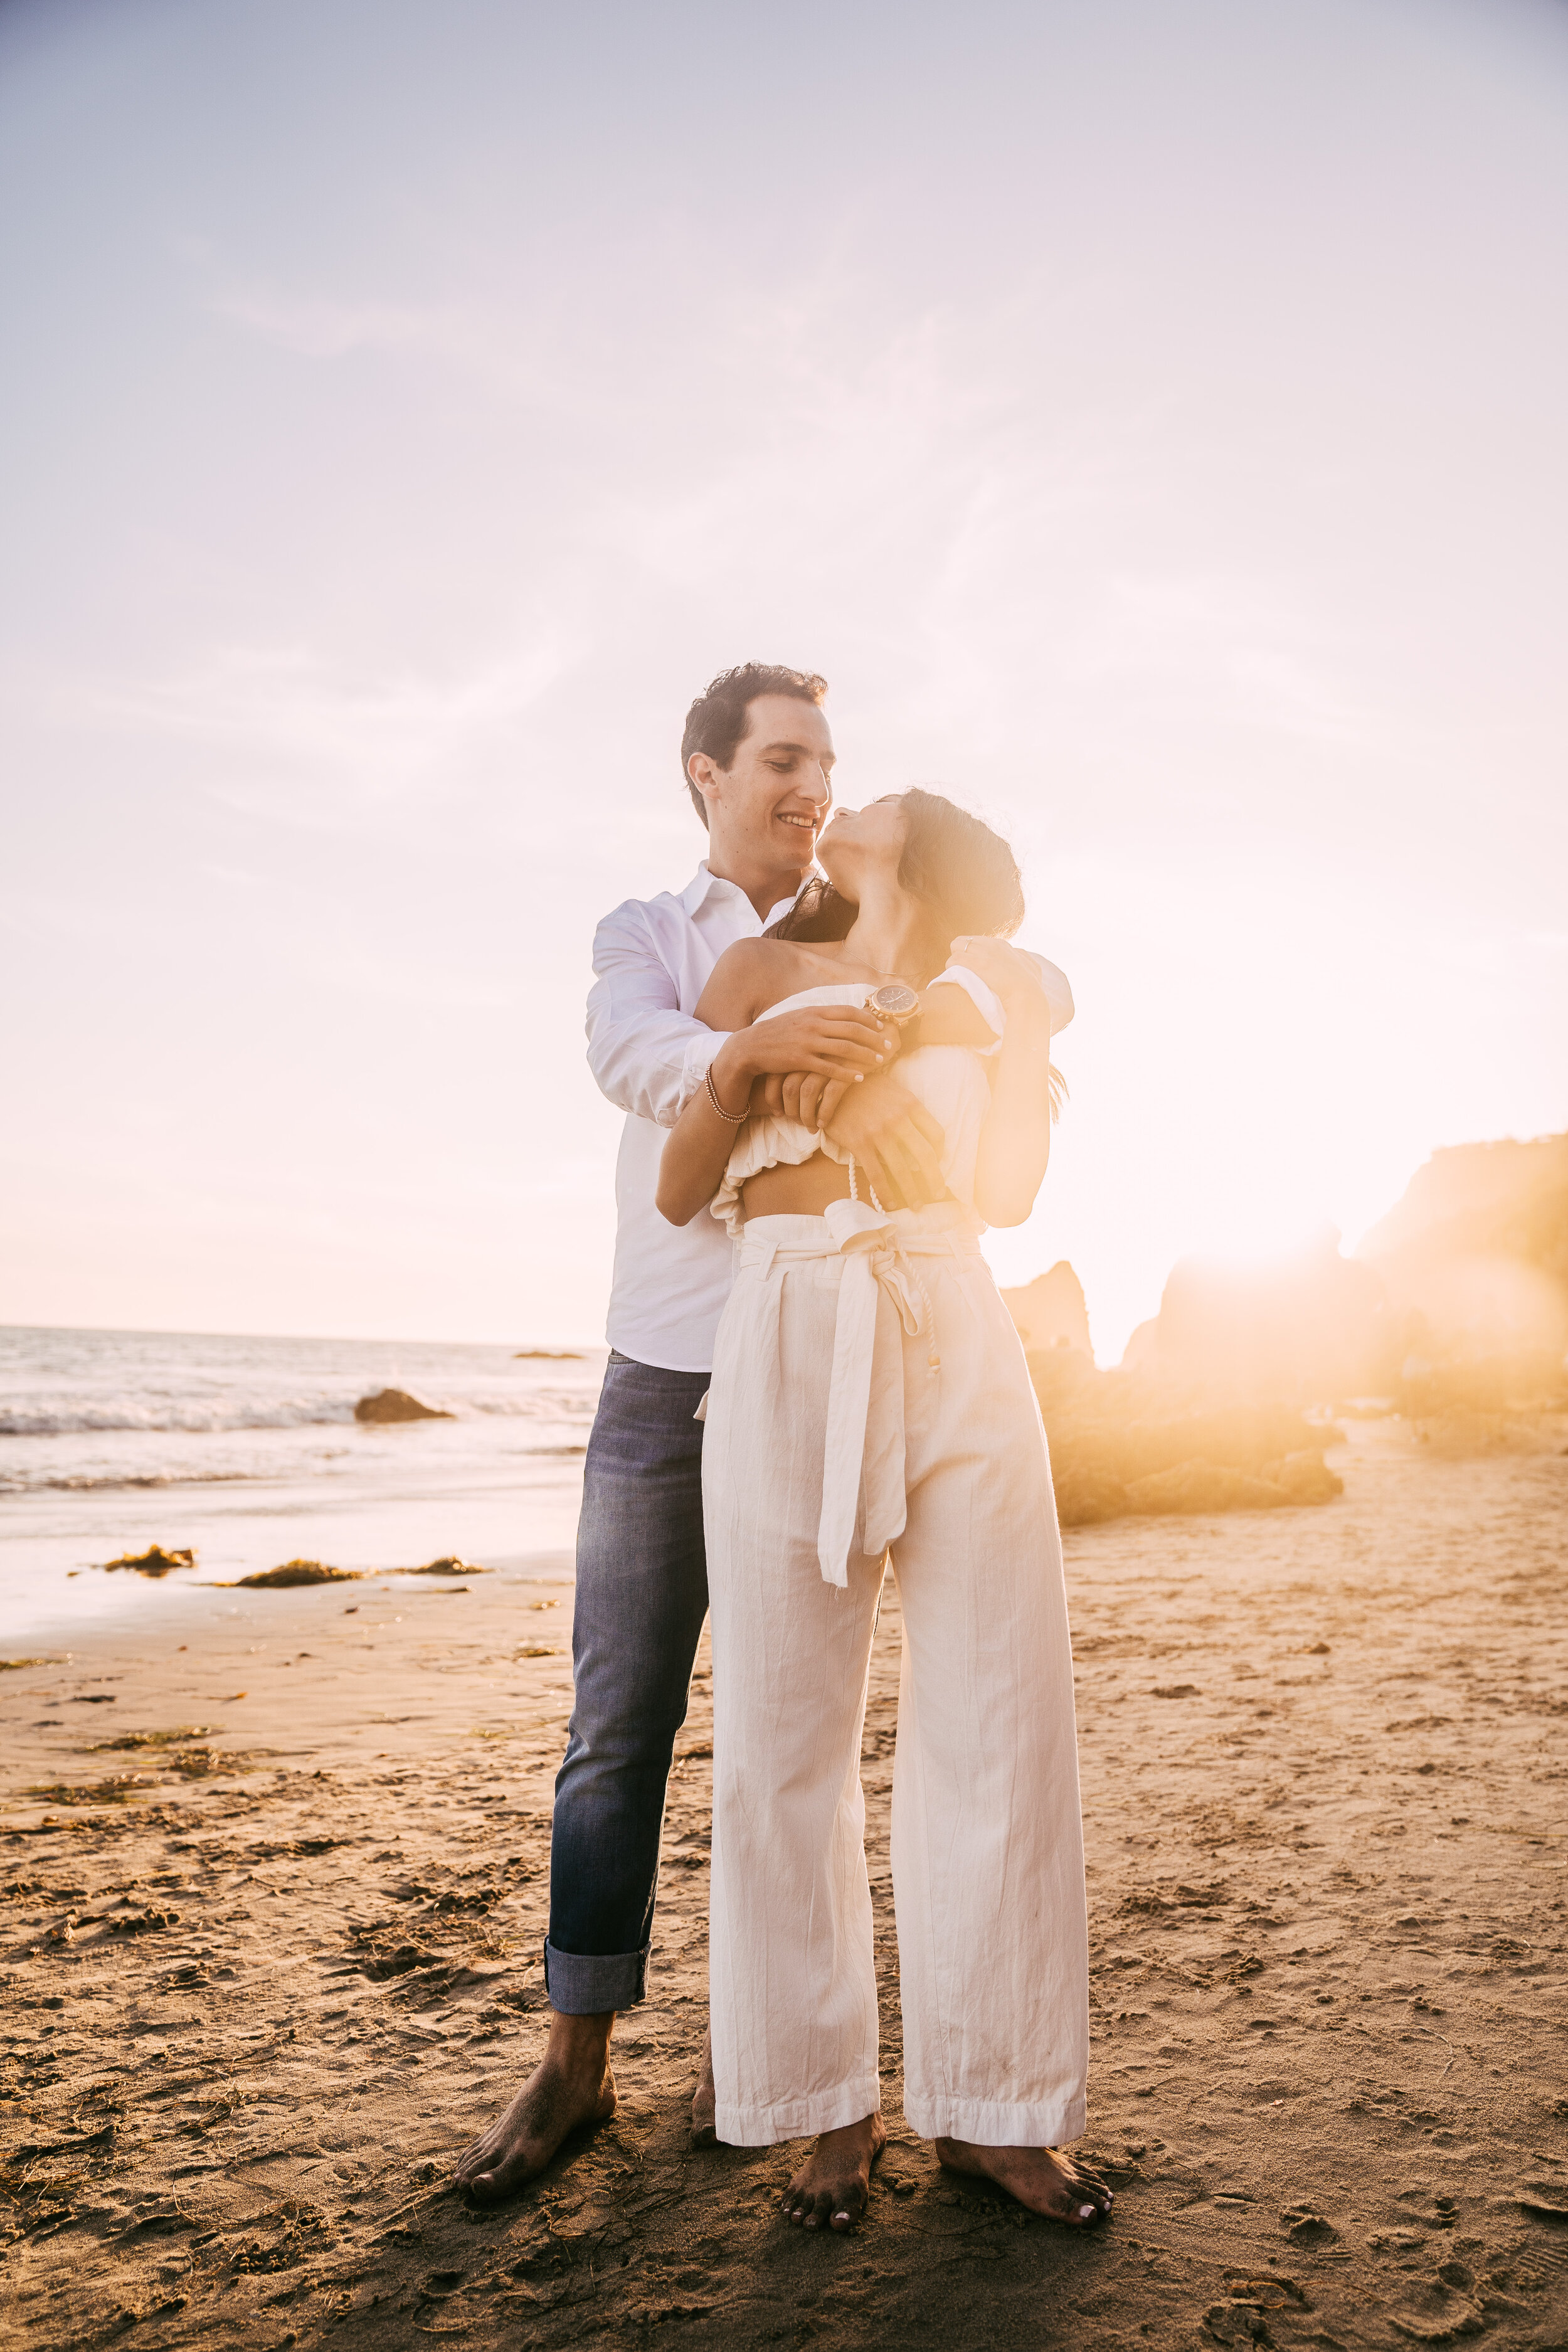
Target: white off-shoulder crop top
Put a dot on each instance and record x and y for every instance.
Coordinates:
(949, 1080)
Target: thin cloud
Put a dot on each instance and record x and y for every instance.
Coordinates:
(1228, 643)
(321, 328)
(311, 724)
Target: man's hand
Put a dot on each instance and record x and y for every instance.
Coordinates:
(895, 1142)
(1016, 977)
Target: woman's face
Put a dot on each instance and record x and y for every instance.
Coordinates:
(860, 842)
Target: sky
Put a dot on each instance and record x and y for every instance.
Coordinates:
(1147, 414)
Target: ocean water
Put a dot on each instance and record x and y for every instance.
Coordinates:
(246, 1450)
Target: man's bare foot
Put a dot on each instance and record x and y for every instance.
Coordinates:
(571, 2085)
(704, 2102)
(830, 2189)
(1043, 2179)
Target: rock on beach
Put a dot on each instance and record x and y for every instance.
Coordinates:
(396, 1404)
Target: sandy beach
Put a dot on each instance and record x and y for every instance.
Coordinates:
(276, 1870)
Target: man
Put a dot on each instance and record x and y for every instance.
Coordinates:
(757, 758)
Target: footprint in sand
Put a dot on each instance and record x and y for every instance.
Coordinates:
(1439, 2311)
(1304, 2227)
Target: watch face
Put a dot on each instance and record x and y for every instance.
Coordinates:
(894, 999)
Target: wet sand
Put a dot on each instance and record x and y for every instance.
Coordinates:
(263, 1988)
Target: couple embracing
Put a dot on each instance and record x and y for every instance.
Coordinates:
(835, 1075)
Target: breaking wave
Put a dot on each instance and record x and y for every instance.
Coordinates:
(87, 1482)
(193, 1417)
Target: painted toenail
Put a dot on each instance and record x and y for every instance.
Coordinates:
(1086, 2213)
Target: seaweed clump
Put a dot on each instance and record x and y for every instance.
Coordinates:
(297, 1571)
(119, 1788)
(153, 1561)
(132, 1741)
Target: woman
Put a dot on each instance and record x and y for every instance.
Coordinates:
(869, 1394)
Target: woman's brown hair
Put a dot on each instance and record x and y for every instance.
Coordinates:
(952, 862)
(956, 866)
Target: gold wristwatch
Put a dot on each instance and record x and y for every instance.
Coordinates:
(893, 1002)
(896, 1004)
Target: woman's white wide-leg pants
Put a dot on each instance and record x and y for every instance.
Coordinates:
(987, 1847)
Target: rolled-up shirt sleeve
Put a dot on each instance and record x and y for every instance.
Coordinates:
(647, 1056)
(1058, 995)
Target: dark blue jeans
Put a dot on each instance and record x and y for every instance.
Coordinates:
(642, 1595)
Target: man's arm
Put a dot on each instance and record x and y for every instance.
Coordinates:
(647, 1056)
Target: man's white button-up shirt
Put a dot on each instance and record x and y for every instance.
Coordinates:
(648, 1051)
(652, 958)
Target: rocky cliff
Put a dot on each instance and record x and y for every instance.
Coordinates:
(1051, 1311)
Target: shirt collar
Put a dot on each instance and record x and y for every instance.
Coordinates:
(704, 885)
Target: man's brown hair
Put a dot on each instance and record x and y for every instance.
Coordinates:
(716, 721)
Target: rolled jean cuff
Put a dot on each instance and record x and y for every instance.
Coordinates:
(588, 1984)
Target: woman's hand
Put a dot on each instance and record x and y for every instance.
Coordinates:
(1014, 976)
(825, 1041)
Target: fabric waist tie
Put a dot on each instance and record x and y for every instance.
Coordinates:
(865, 1422)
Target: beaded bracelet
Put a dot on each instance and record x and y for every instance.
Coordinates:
(730, 1118)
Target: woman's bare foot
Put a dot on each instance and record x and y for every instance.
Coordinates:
(1043, 2179)
(571, 2085)
(830, 2189)
(704, 2102)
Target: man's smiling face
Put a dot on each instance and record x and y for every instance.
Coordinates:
(766, 809)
